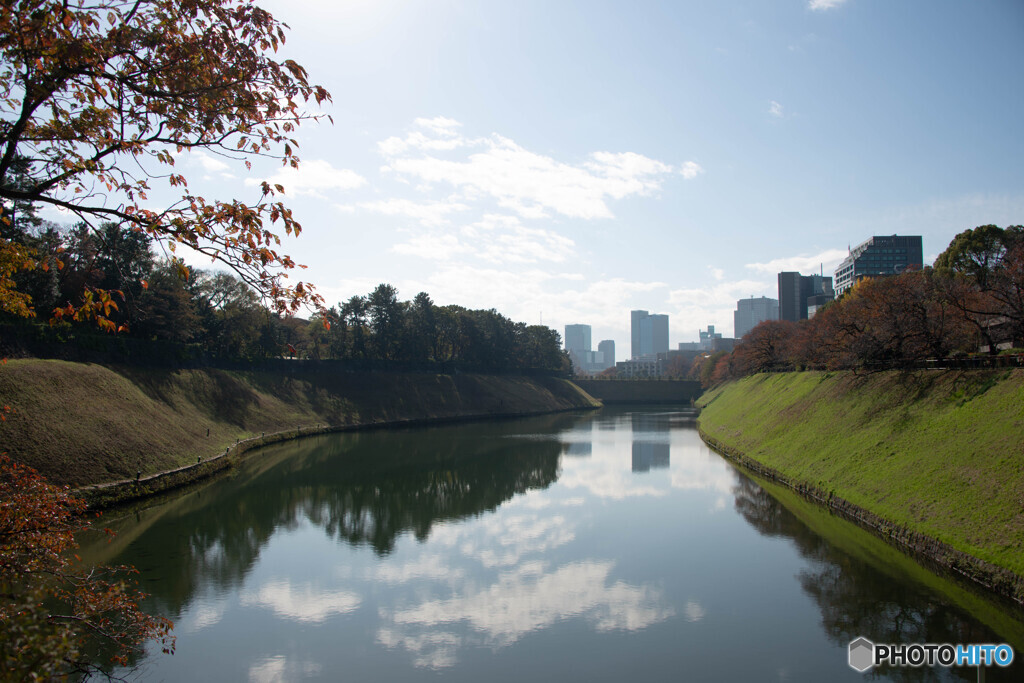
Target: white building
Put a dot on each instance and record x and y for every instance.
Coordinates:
(750, 312)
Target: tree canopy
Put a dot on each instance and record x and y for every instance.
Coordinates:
(98, 98)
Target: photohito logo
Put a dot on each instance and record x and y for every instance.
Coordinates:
(863, 654)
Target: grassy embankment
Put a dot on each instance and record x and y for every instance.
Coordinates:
(928, 455)
(82, 424)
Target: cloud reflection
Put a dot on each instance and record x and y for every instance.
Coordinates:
(279, 668)
(522, 601)
(306, 604)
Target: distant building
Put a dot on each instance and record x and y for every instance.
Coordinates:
(877, 257)
(640, 368)
(794, 291)
(635, 318)
(750, 312)
(577, 337)
(577, 344)
(721, 343)
(815, 303)
(649, 334)
(607, 350)
(708, 337)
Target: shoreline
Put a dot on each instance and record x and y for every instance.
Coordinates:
(932, 463)
(998, 580)
(126, 491)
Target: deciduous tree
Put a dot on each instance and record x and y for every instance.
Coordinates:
(53, 611)
(99, 98)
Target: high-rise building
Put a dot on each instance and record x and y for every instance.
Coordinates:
(607, 350)
(649, 334)
(659, 333)
(577, 343)
(750, 312)
(635, 318)
(794, 291)
(877, 257)
(577, 337)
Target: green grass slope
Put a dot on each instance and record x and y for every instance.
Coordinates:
(81, 424)
(939, 452)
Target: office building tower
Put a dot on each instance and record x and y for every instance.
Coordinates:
(607, 350)
(750, 312)
(649, 334)
(879, 256)
(577, 337)
(635, 318)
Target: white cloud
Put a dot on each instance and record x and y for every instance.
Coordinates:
(807, 264)
(429, 567)
(494, 239)
(690, 169)
(775, 109)
(528, 183)
(280, 668)
(509, 538)
(445, 137)
(314, 177)
(212, 164)
(526, 600)
(306, 604)
(694, 612)
(435, 247)
(268, 670)
(432, 650)
(429, 214)
(819, 5)
(439, 125)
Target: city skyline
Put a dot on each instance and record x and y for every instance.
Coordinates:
(580, 160)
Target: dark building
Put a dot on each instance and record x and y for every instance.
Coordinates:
(794, 291)
(879, 256)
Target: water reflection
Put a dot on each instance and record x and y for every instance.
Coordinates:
(572, 544)
(528, 598)
(857, 600)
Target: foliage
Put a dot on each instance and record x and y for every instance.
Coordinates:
(973, 297)
(99, 99)
(979, 252)
(380, 327)
(56, 613)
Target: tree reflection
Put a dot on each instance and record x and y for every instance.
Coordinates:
(361, 488)
(856, 599)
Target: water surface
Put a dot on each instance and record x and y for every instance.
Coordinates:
(603, 546)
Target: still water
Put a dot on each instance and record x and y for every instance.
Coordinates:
(604, 546)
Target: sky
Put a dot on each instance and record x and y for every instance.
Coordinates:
(566, 162)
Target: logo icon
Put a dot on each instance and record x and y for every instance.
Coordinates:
(862, 654)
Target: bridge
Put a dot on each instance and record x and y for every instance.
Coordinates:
(639, 391)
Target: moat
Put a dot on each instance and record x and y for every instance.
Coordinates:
(598, 546)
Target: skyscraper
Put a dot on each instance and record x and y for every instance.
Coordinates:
(577, 338)
(635, 318)
(607, 349)
(750, 312)
(649, 334)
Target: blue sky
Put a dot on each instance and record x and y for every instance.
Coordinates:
(570, 161)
